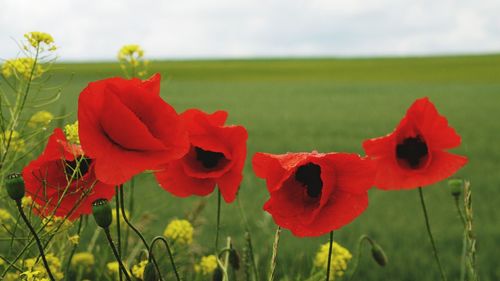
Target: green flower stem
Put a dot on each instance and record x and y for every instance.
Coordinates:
(218, 220)
(115, 252)
(73, 249)
(118, 230)
(170, 255)
(272, 267)
(329, 257)
(39, 244)
(127, 221)
(248, 238)
(362, 238)
(431, 237)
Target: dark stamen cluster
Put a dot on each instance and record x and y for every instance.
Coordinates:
(208, 159)
(310, 176)
(412, 150)
(84, 165)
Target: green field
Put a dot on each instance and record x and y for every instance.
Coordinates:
(333, 105)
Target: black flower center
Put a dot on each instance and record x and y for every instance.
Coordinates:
(208, 159)
(310, 176)
(412, 150)
(83, 167)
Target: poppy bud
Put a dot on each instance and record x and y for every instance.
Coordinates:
(455, 187)
(15, 186)
(234, 259)
(379, 255)
(102, 213)
(218, 274)
(150, 272)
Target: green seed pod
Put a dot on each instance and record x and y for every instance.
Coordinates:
(456, 186)
(234, 259)
(15, 186)
(150, 272)
(102, 213)
(218, 274)
(379, 255)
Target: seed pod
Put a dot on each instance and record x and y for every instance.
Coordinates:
(15, 186)
(379, 255)
(102, 213)
(150, 272)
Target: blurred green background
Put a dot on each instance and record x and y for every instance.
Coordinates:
(333, 105)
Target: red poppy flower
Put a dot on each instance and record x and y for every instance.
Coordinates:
(414, 154)
(312, 193)
(53, 179)
(127, 128)
(216, 157)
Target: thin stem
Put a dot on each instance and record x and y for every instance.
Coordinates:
(118, 230)
(115, 252)
(39, 244)
(272, 267)
(218, 220)
(127, 221)
(329, 257)
(248, 238)
(73, 250)
(171, 256)
(431, 237)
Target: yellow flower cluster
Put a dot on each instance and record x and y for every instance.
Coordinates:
(207, 265)
(122, 220)
(113, 267)
(22, 68)
(40, 119)
(11, 277)
(4, 216)
(138, 269)
(26, 201)
(53, 223)
(339, 259)
(84, 259)
(180, 231)
(74, 239)
(71, 132)
(36, 38)
(130, 53)
(11, 140)
(36, 271)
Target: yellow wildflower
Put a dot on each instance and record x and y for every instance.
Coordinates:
(207, 265)
(35, 38)
(4, 217)
(75, 239)
(40, 119)
(84, 259)
(11, 277)
(51, 224)
(130, 53)
(180, 231)
(22, 68)
(122, 220)
(113, 267)
(71, 131)
(26, 201)
(38, 270)
(138, 269)
(339, 259)
(11, 140)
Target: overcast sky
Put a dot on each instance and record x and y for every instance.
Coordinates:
(96, 29)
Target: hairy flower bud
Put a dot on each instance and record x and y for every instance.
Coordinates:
(234, 259)
(379, 255)
(455, 187)
(102, 213)
(218, 274)
(15, 186)
(150, 272)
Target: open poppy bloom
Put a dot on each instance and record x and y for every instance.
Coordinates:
(127, 128)
(216, 157)
(414, 155)
(62, 180)
(314, 193)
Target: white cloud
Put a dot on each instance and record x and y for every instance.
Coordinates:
(96, 29)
